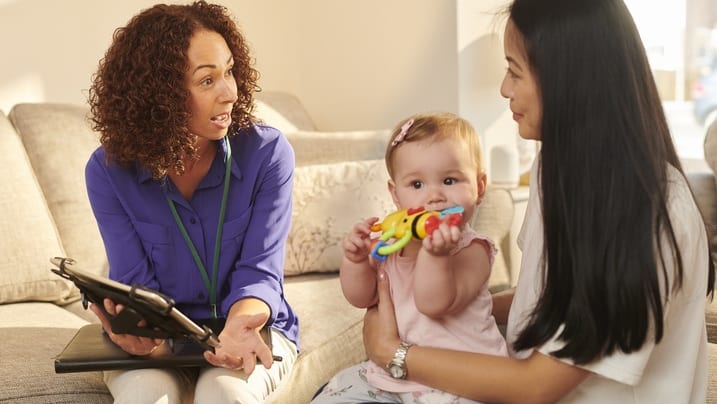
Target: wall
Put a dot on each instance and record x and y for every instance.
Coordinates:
(354, 64)
(51, 48)
(377, 61)
(481, 67)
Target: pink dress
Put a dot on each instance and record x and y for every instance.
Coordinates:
(473, 329)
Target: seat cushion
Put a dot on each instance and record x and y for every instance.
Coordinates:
(330, 332)
(27, 374)
(39, 314)
(322, 309)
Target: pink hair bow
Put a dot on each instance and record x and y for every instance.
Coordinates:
(402, 134)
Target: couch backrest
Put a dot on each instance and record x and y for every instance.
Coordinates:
(58, 140)
(710, 146)
(709, 205)
(330, 198)
(29, 238)
(340, 179)
(313, 146)
(283, 111)
(316, 147)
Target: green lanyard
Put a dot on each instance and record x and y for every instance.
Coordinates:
(210, 284)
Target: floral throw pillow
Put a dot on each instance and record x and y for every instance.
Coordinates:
(328, 200)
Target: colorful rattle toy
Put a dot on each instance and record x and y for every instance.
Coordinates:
(403, 225)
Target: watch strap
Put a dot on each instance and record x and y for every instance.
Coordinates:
(399, 360)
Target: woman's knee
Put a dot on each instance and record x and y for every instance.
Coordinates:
(151, 386)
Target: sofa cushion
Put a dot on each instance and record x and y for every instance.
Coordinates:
(712, 371)
(493, 218)
(710, 150)
(29, 237)
(328, 200)
(711, 320)
(313, 147)
(27, 373)
(39, 314)
(710, 147)
(704, 187)
(51, 132)
(330, 332)
(282, 111)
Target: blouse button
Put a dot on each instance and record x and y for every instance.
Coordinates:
(192, 220)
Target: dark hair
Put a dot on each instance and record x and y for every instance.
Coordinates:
(603, 179)
(138, 98)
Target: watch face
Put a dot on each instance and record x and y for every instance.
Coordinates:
(396, 371)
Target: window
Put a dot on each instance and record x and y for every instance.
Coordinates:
(680, 37)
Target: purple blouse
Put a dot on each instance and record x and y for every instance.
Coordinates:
(145, 246)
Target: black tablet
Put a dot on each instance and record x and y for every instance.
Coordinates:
(140, 303)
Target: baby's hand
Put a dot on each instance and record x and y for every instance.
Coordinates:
(442, 240)
(357, 244)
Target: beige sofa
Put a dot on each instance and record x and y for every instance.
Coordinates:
(44, 212)
(704, 184)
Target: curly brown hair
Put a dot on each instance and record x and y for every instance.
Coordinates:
(138, 98)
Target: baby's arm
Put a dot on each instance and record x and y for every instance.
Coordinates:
(357, 275)
(444, 283)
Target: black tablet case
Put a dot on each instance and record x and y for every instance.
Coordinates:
(91, 349)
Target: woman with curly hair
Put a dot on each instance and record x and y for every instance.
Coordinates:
(192, 197)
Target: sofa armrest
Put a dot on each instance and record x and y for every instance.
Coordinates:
(711, 320)
(494, 218)
(704, 187)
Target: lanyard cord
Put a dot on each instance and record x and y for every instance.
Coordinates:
(210, 284)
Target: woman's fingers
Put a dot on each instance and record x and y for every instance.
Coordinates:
(380, 332)
(101, 316)
(129, 343)
(384, 293)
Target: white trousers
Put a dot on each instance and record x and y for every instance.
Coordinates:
(211, 385)
(350, 386)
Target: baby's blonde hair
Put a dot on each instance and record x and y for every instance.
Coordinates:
(435, 126)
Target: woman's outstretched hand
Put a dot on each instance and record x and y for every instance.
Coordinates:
(240, 344)
(380, 332)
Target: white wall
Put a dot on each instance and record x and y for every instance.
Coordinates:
(354, 64)
(272, 29)
(370, 63)
(50, 48)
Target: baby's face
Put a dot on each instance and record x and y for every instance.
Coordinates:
(435, 174)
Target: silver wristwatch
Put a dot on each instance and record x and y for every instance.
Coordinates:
(397, 366)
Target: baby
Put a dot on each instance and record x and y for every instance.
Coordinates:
(439, 284)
